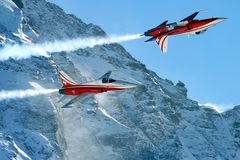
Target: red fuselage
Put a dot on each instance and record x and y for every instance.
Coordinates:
(192, 27)
(100, 85)
(77, 90)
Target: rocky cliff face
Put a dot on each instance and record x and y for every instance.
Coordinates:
(153, 121)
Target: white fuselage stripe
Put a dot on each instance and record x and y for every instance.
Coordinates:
(201, 28)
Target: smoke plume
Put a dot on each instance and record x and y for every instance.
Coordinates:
(25, 51)
(14, 94)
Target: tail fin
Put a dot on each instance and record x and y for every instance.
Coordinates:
(65, 79)
(162, 41)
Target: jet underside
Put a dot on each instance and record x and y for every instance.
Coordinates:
(186, 26)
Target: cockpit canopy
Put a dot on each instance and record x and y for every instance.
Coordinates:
(108, 80)
(176, 24)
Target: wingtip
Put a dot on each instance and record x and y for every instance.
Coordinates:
(151, 39)
(203, 10)
(66, 106)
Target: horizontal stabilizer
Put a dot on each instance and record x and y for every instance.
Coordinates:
(151, 39)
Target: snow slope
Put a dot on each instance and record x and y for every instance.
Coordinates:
(153, 121)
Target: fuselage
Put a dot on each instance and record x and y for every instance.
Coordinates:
(186, 27)
(96, 87)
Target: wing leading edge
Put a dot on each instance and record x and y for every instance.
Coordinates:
(162, 24)
(191, 17)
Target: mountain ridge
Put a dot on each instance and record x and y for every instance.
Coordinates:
(154, 121)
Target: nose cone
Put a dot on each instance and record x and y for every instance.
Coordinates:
(131, 85)
(126, 85)
(218, 20)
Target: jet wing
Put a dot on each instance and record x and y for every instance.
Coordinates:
(159, 26)
(191, 17)
(82, 98)
(106, 75)
(159, 35)
(162, 24)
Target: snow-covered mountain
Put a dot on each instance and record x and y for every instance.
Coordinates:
(153, 121)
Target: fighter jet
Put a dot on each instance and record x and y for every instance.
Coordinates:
(102, 84)
(188, 25)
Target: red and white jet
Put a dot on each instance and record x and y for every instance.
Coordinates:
(188, 25)
(103, 84)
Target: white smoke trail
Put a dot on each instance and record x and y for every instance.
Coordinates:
(5, 95)
(26, 51)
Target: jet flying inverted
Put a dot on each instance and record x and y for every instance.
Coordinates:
(188, 25)
(103, 84)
